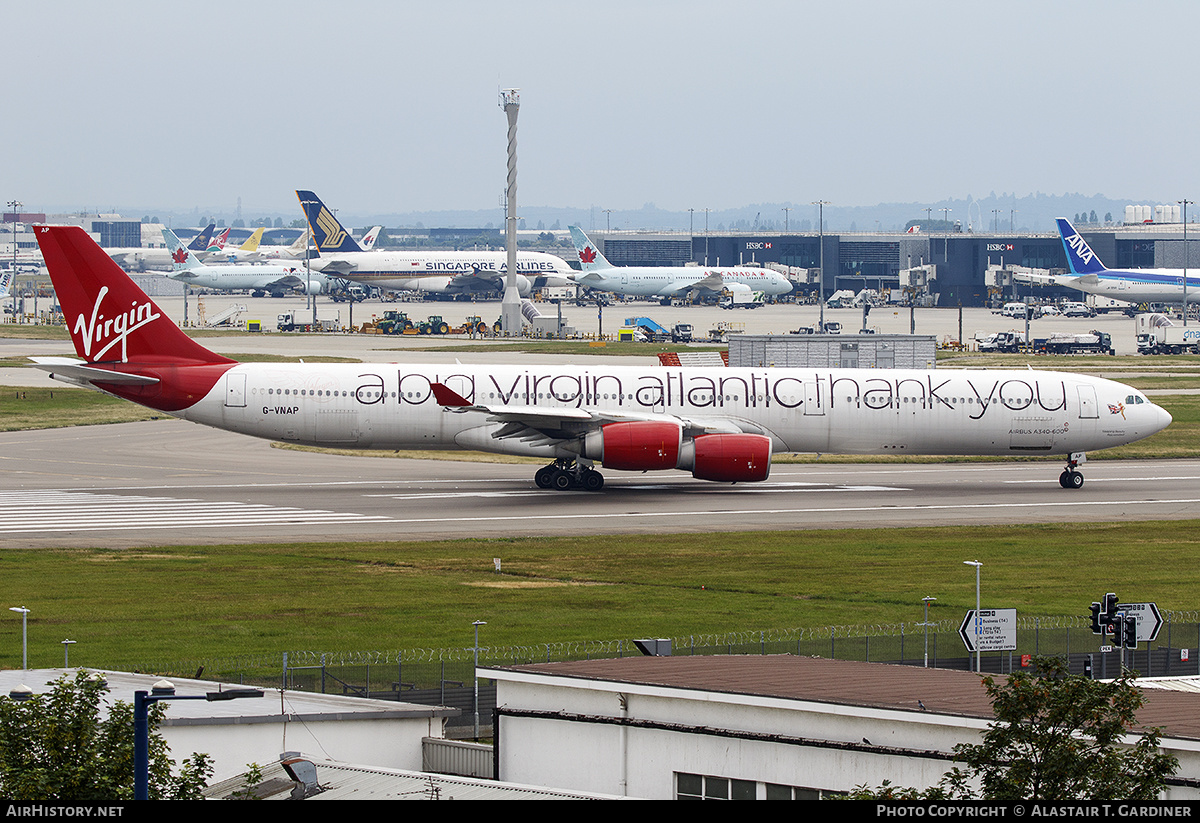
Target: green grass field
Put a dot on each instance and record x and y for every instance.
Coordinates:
(125, 608)
(128, 607)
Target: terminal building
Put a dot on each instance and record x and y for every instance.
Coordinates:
(940, 269)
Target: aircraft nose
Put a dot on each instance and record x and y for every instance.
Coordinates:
(1162, 418)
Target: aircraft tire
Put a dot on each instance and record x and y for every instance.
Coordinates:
(544, 477)
(561, 480)
(592, 480)
(1070, 479)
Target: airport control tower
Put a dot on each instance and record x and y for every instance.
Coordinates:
(510, 307)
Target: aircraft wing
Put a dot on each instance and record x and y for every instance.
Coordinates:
(336, 267)
(76, 372)
(478, 280)
(547, 425)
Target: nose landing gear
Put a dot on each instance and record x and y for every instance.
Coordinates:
(1072, 478)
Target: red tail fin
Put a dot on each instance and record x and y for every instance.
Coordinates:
(109, 317)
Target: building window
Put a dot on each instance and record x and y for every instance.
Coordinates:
(708, 787)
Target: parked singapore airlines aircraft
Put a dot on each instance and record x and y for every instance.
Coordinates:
(668, 281)
(720, 424)
(259, 279)
(429, 271)
(1133, 285)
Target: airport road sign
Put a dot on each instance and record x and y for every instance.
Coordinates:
(1149, 621)
(997, 630)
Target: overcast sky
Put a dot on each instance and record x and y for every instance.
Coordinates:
(387, 106)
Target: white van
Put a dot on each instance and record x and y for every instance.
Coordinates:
(1013, 310)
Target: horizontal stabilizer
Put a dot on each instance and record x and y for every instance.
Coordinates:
(75, 371)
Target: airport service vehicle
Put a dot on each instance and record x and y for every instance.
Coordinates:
(719, 424)
(1158, 334)
(1078, 310)
(1001, 341)
(431, 272)
(741, 300)
(1015, 310)
(667, 282)
(1093, 342)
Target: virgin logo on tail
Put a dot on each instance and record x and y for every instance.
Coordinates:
(112, 330)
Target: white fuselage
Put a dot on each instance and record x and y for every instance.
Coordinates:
(237, 276)
(856, 411)
(438, 271)
(667, 281)
(1139, 285)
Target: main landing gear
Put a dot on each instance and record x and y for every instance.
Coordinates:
(563, 475)
(1072, 478)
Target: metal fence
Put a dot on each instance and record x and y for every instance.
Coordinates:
(445, 677)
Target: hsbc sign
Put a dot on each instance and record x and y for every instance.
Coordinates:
(757, 245)
(1000, 247)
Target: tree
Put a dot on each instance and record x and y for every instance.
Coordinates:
(56, 746)
(1056, 736)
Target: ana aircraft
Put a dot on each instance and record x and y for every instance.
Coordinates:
(669, 281)
(453, 272)
(720, 424)
(258, 278)
(1089, 275)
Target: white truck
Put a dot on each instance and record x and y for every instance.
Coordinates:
(1158, 334)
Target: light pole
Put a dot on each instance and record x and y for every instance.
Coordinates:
(24, 636)
(16, 205)
(477, 624)
(1184, 203)
(67, 644)
(977, 566)
(163, 690)
(926, 601)
(786, 214)
(820, 204)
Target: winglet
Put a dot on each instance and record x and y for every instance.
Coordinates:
(1080, 257)
(447, 396)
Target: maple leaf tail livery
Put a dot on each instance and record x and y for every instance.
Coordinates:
(590, 258)
(719, 424)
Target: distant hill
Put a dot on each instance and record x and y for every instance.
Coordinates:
(1030, 213)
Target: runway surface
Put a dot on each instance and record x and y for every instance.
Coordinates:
(172, 482)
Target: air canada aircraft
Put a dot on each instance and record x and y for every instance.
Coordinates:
(669, 281)
(1090, 276)
(440, 272)
(720, 424)
(259, 279)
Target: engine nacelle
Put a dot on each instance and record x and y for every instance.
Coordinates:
(638, 446)
(312, 287)
(729, 458)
